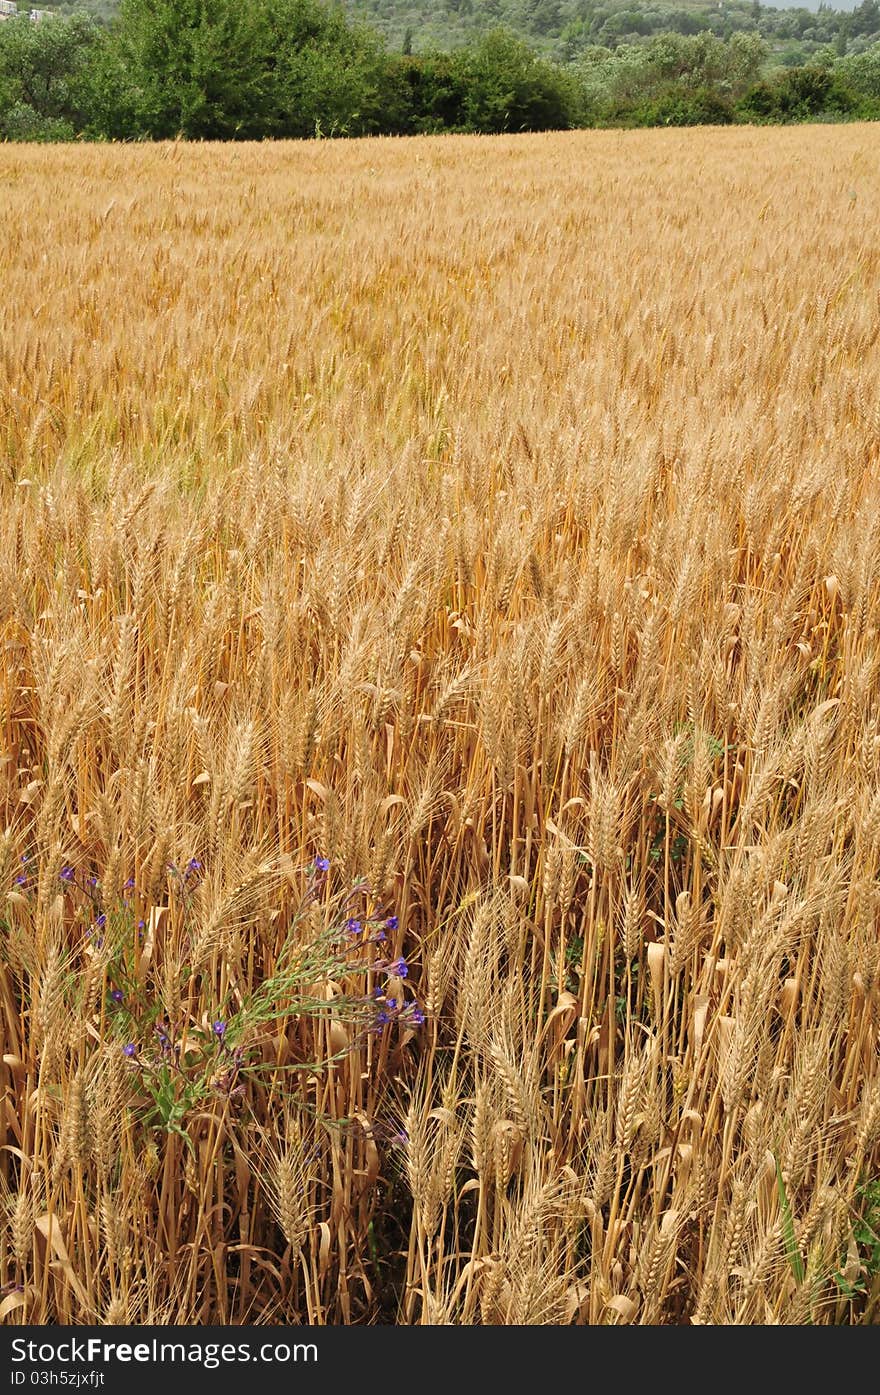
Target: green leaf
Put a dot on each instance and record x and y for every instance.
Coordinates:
(793, 1254)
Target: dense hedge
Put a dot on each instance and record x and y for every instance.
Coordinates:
(216, 69)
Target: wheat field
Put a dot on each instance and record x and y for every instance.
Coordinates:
(440, 759)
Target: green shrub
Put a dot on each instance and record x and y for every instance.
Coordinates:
(861, 72)
(435, 92)
(704, 107)
(798, 94)
(508, 88)
(43, 86)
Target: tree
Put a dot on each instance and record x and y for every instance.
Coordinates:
(866, 18)
(191, 67)
(862, 72)
(43, 92)
(435, 93)
(328, 76)
(508, 88)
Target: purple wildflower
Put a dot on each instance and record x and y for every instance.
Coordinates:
(416, 1015)
(21, 879)
(129, 1049)
(391, 1004)
(399, 967)
(391, 923)
(218, 1028)
(68, 874)
(322, 864)
(129, 884)
(101, 921)
(354, 927)
(117, 995)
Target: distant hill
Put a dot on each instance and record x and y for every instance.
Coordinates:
(795, 32)
(101, 9)
(562, 28)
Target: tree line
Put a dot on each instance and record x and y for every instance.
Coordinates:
(561, 28)
(221, 70)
